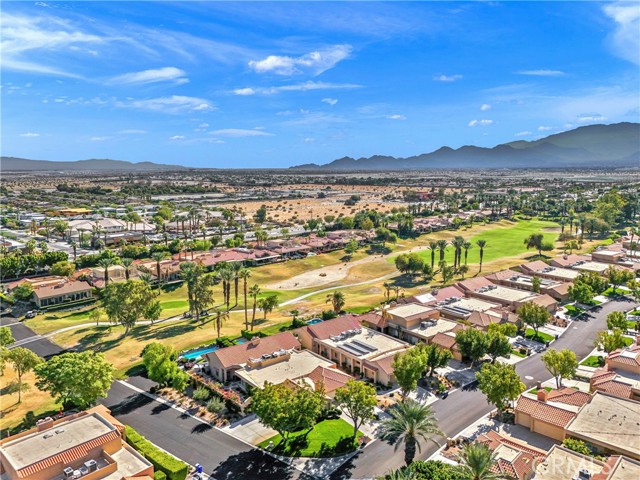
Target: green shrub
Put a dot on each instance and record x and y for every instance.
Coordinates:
(249, 335)
(173, 468)
(225, 342)
(201, 393)
(577, 446)
(215, 405)
(159, 475)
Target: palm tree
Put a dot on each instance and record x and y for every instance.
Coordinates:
(403, 473)
(146, 277)
(433, 246)
(466, 246)
(337, 300)
(387, 290)
(442, 246)
(74, 245)
(106, 263)
(158, 257)
(476, 462)
(254, 291)
(221, 316)
(457, 243)
(481, 245)
(235, 268)
(126, 263)
(245, 274)
(410, 422)
(226, 275)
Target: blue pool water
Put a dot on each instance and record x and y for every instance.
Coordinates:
(198, 353)
(241, 340)
(313, 321)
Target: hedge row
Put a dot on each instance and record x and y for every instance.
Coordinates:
(171, 467)
(159, 475)
(249, 335)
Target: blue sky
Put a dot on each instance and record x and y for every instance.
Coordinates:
(274, 84)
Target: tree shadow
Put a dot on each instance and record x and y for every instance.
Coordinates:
(408, 281)
(254, 464)
(344, 472)
(378, 250)
(161, 407)
(130, 404)
(201, 428)
(167, 331)
(11, 387)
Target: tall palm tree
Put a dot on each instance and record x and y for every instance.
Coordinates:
(433, 246)
(476, 462)
(457, 243)
(409, 423)
(466, 246)
(245, 274)
(442, 246)
(146, 277)
(235, 269)
(337, 300)
(254, 291)
(106, 263)
(158, 257)
(481, 245)
(74, 245)
(127, 263)
(226, 275)
(221, 316)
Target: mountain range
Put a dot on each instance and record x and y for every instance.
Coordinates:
(593, 146)
(12, 164)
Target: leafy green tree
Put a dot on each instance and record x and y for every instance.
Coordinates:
(254, 291)
(410, 422)
(160, 362)
(477, 462)
(97, 315)
(472, 344)
(577, 446)
(617, 320)
(261, 214)
(75, 379)
(357, 400)
(408, 368)
(62, 269)
(337, 300)
(199, 293)
(434, 357)
(508, 329)
(351, 247)
(581, 292)
(498, 345)
(402, 263)
(500, 383)
(269, 303)
(535, 240)
(385, 236)
(23, 292)
(610, 341)
(286, 409)
(128, 302)
(561, 364)
(634, 289)
(6, 337)
(535, 284)
(447, 273)
(597, 283)
(618, 276)
(533, 315)
(22, 360)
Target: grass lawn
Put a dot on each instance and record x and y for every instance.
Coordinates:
(591, 361)
(49, 322)
(628, 341)
(541, 337)
(504, 239)
(572, 310)
(535, 390)
(327, 439)
(517, 353)
(631, 325)
(33, 400)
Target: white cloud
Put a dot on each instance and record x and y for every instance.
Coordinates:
(447, 78)
(543, 128)
(165, 74)
(132, 131)
(396, 117)
(330, 101)
(239, 133)
(299, 87)
(172, 104)
(314, 62)
(244, 91)
(309, 140)
(480, 123)
(485, 106)
(29, 134)
(590, 117)
(542, 73)
(99, 139)
(177, 137)
(523, 134)
(624, 40)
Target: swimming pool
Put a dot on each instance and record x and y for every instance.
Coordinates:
(313, 321)
(198, 353)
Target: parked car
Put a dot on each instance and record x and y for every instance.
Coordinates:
(30, 314)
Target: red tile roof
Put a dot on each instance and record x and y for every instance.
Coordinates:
(502, 275)
(522, 466)
(544, 412)
(534, 266)
(447, 292)
(331, 378)
(443, 340)
(383, 364)
(570, 396)
(481, 319)
(373, 318)
(63, 288)
(629, 360)
(473, 284)
(239, 354)
(324, 330)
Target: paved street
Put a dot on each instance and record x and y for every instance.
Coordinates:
(226, 457)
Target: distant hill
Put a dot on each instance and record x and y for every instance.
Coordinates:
(594, 146)
(11, 164)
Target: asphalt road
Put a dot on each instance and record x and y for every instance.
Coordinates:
(27, 338)
(224, 457)
(462, 408)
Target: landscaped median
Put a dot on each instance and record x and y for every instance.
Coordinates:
(165, 465)
(329, 438)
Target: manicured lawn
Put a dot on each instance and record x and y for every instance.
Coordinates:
(631, 325)
(505, 239)
(628, 341)
(518, 354)
(541, 337)
(49, 322)
(535, 390)
(591, 361)
(359, 310)
(572, 310)
(327, 439)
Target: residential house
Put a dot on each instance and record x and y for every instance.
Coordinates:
(564, 464)
(512, 279)
(414, 323)
(87, 445)
(484, 289)
(53, 290)
(513, 459)
(540, 269)
(620, 376)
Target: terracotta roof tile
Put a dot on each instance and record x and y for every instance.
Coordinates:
(331, 378)
(443, 340)
(373, 318)
(570, 396)
(239, 354)
(447, 292)
(324, 330)
(545, 412)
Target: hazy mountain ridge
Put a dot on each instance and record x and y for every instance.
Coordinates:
(9, 164)
(593, 146)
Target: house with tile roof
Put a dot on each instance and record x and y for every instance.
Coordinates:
(541, 269)
(544, 416)
(88, 444)
(513, 459)
(621, 374)
(225, 362)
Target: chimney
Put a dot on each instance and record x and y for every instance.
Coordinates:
(505, 316)
(255, 341)
(542, 395)
(44, 424)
